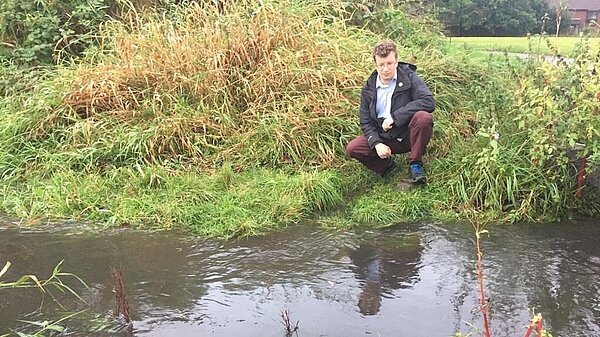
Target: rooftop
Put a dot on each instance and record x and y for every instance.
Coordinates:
(590, 5)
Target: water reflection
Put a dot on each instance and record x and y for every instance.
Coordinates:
(413, 281)
(153, 265)
(391, 264)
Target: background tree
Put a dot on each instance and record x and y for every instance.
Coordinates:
(495, 17)
(457, 15)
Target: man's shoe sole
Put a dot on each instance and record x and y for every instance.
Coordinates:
(419, 180)
(407, 184)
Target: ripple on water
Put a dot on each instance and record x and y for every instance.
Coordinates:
(414, 280)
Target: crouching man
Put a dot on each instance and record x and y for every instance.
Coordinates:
(395, 116)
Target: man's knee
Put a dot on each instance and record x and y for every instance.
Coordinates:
(351, 149)
(356, 147)
(423, 117)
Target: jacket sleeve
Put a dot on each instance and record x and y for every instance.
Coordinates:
(422, 100)
(367, 124)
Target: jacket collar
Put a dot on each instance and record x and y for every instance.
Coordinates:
(402, 82)
(378, 82)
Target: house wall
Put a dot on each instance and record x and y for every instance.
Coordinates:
(578, 20)
(581, 14)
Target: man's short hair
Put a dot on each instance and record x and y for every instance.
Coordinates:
(384, 48)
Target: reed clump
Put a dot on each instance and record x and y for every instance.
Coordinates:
(258, 83)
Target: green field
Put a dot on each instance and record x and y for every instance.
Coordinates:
(535, 44)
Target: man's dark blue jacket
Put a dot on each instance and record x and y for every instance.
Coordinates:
(410, 95)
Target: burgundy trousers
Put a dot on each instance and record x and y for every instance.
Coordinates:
(420, 130)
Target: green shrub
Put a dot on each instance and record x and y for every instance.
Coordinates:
(38, 32)
(410, 23)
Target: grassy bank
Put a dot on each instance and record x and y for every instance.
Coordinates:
(232, 120)
(566, 46)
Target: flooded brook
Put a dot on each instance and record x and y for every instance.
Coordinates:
(407, 280)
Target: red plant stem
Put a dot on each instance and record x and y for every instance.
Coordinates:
(530, 330)
(534, 325)
(481, 289)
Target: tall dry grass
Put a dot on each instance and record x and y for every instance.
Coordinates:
(257, 82)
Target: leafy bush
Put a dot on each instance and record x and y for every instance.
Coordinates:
(410, 23)
(523, 162)
(37, 32)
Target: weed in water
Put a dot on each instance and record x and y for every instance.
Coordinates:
(290, 328)
(122, 304)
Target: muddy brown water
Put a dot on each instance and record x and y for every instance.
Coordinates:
(407, 280)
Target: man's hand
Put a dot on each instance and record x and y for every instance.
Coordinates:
(387, 124)
(383, 151)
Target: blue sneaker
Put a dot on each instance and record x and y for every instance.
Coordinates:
(417, 173)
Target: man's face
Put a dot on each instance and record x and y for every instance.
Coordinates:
(386, 66)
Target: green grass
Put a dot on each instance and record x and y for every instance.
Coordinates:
(565, 46)
(223, 204)
(233, 131)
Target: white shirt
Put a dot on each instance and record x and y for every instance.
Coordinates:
(384, 97)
